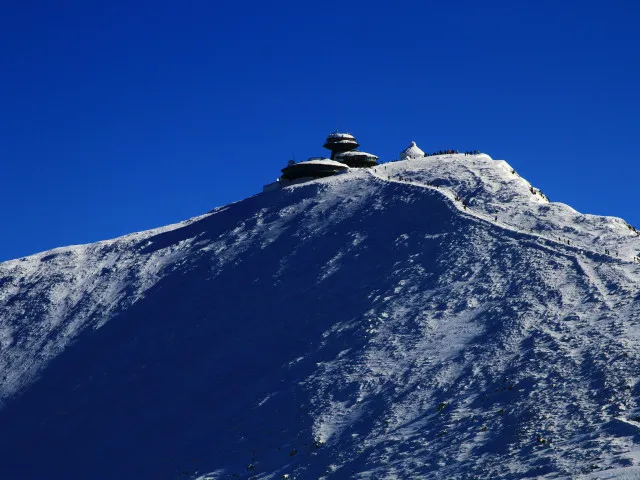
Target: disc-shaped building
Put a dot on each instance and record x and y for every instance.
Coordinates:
(344, 148)
(344, 155)
(315, 167)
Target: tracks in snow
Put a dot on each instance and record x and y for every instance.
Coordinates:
(573, 252)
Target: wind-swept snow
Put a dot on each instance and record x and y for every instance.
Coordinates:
(492, 188)
(432, 318)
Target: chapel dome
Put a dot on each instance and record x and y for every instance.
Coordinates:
(411, 152)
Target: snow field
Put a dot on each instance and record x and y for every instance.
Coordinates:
(363, 326)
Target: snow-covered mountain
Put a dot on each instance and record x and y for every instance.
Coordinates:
(435, 318)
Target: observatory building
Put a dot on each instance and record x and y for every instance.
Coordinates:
(340, 142)
(344, 155)
(343, 148)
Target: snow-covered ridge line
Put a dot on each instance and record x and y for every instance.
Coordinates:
(572, 252)
(479, 185)
(114, 273)
(127, 237)
(456, 202)
(363, 325)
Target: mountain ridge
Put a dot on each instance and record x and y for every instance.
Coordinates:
(366, 325)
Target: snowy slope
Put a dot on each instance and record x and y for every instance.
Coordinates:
(366, 325)
(494, 189)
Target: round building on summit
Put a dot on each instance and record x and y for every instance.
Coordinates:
(344, 148)
(340, 142)
(344, 155)
(315, 167)
(357, 159)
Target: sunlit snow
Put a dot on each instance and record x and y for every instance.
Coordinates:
(429, 318)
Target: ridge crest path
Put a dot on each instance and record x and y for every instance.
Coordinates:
(559, 247)
(349, 327)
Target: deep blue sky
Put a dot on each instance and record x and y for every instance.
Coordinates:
(122, 116)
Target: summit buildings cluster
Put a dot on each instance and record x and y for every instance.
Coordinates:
(345, 154)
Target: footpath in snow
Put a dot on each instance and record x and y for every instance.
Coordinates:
(432, 318)
(479, 191)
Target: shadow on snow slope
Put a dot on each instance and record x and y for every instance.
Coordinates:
(351, 328)
(172, 384)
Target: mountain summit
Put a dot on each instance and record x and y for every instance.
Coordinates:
(433, 318)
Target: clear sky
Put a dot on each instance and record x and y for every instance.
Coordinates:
(121, 116)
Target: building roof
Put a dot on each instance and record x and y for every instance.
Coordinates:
(412, 151)
(342, 136)
(322, 167)
(341, 141)
(355, 153)
(322, 161)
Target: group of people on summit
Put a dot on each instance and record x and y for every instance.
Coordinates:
(441, 152)
(451, 152)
